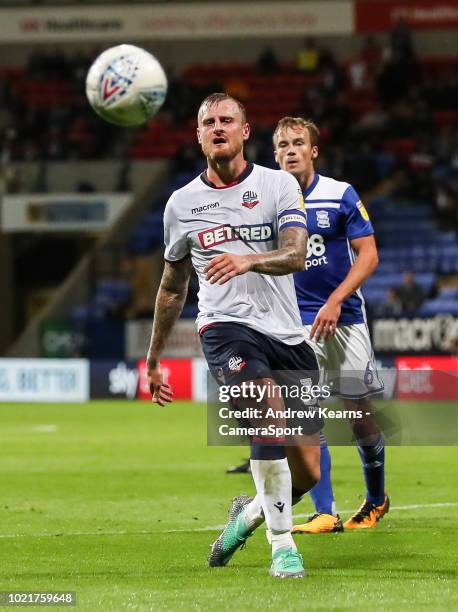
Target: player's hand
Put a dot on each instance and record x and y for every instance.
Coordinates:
(225, 266)
(161, 392)
(325, 322)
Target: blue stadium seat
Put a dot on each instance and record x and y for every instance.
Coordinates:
(434, 307)
(375, 295)
(448, 293)
(117, 289)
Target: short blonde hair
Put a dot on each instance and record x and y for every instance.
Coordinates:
(216, 98)
(292, 122)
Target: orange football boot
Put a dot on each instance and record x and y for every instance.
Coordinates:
(320, 523)
(368, 515)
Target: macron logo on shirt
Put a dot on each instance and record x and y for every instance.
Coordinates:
(199, 209)
(227, 233)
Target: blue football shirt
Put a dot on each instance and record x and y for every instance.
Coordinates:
(335, 216)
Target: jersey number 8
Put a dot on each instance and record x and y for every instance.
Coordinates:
(315, 246)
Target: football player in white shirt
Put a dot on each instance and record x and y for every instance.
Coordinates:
(242, 228)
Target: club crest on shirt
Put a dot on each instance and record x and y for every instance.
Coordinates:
(236, 364)
(322, 218)
(250, 199)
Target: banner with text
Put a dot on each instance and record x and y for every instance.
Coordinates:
(176, 372)
(420, 15)
(62, 212)
(175, 20)
(44, 380)
(183, 341)
(427, 378)
(430, 335)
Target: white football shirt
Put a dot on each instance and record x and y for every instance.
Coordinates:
(203, 221)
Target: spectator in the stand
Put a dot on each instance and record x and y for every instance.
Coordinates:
(391, 307)
(393, 81)
(267, 62)
(399, 72)
(446, 199)
(410, 294)
(333, 75)
(371, 52)
(309, 56)
(400, 41)
(364, 66)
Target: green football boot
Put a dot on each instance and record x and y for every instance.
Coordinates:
(287, 563)
(234, 535)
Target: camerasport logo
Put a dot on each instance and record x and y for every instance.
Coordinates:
(261, 232)
(250, 199)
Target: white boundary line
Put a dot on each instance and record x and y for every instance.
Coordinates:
(307, 514)
(193, 529)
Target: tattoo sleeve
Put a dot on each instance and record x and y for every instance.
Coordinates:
(169, 304)
(289, 257)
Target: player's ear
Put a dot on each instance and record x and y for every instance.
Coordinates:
(315, 152)
(276, 157)
(246, 131)
(199, 138)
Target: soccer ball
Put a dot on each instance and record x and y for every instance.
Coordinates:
(126, 85)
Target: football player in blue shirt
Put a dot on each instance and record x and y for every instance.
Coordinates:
(341, 255)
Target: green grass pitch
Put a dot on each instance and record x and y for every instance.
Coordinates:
(119, 501)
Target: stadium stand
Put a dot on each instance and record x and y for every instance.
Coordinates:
(398, 150)
(393, 149)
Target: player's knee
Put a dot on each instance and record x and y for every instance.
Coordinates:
(307, 478)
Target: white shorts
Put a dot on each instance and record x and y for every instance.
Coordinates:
(347, 362)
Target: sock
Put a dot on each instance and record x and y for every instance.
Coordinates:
(373, 458)
(322, 494)
(282, 540)
(253, 514)
(272, 479)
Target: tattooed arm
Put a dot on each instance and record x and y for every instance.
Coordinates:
(169, 304)
(289, 257)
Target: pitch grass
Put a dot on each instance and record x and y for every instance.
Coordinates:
(91, 496)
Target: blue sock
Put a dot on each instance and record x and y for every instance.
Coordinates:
(373, 458)
(322, 494)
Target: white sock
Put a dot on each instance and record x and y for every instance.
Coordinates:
(253, 514)
(282, 540)
(272, 479)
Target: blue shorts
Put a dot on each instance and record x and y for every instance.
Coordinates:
(236, 353)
